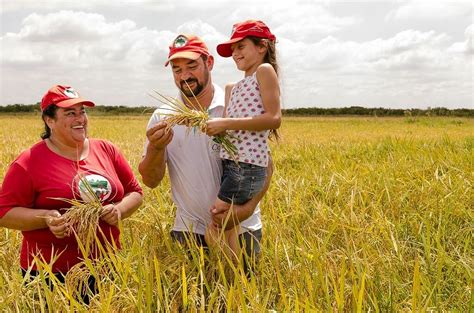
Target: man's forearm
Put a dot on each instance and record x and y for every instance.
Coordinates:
(152, 167)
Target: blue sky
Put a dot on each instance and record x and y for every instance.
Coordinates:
(397, 54)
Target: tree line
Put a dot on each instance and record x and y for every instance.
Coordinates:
(353, 110)
(357, 110)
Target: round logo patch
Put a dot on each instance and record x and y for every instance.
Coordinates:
(71, 93)
(93, 186)
(180, 41)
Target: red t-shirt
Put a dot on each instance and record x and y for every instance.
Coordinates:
(38, 175)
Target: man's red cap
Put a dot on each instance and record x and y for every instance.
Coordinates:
(188, 47)
(245, 29)
(63, 97)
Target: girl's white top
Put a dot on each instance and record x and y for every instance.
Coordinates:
(245, 101)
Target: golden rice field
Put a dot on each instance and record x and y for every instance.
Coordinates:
(363, 214)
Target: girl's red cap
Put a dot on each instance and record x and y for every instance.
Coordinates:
(241, 30)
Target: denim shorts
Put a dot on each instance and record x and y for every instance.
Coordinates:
(241, 182)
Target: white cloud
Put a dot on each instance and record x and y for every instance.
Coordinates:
(70, 26)
(412, 66)
(469, 43)
(405, 50)
(68, 38)
(466, 46)
(308, 22)
(18, 5)
(84, 48)
(427, 9)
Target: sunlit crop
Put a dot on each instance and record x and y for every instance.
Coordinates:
(363, 214)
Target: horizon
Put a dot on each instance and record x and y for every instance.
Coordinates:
(292, 108)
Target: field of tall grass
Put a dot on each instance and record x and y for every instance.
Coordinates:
(363, 214)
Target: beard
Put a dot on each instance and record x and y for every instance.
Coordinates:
(199, 86)
(191, 92)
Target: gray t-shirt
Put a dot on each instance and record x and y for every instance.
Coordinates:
(195, 173)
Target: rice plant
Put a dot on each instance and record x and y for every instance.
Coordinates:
(363, 215)
(83, 215)
(182, 114)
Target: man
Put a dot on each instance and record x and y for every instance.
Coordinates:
(192, 158)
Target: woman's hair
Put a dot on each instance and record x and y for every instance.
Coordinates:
(270, 57)
(50, 111)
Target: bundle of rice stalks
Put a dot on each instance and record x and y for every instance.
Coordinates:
(181, 114)
(83, 216)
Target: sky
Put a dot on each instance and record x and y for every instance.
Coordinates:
(393, 54)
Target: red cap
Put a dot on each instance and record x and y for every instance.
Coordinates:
(188, 47)
(63, 97)
(245, 29)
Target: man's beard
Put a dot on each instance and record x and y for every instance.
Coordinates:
(199, 87)
(191, 92)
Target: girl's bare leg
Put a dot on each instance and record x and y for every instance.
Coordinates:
(229, 242)
(232, 244)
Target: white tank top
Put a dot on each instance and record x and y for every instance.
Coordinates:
(245, 101)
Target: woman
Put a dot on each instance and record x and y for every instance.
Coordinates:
(54, 168)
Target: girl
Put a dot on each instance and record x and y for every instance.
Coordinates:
(252, 110)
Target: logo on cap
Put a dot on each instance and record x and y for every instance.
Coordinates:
(180, 41)
(71, 93)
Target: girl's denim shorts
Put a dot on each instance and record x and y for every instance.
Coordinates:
(241, 182)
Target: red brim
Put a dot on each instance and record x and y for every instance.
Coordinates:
(70, 102)
(224, 49)
(184, 55)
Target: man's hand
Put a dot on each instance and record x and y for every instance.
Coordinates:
(222, 214)
(57, 224)
(152, 167)
(158, 137)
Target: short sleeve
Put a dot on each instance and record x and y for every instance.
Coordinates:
(17, 189)
(125, 173)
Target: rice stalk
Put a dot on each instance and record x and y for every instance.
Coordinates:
(83, 215)
(182, 114)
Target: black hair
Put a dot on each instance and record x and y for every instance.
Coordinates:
(50, 111)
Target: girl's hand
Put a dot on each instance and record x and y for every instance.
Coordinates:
(216, 126)
(111, 214)
(57, 224)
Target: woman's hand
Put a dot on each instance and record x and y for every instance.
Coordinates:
(57, 224)
(111, 214)
(216, 126)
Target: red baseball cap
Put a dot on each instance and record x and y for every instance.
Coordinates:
(245, 29)
(63, 97)
(188, 47)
